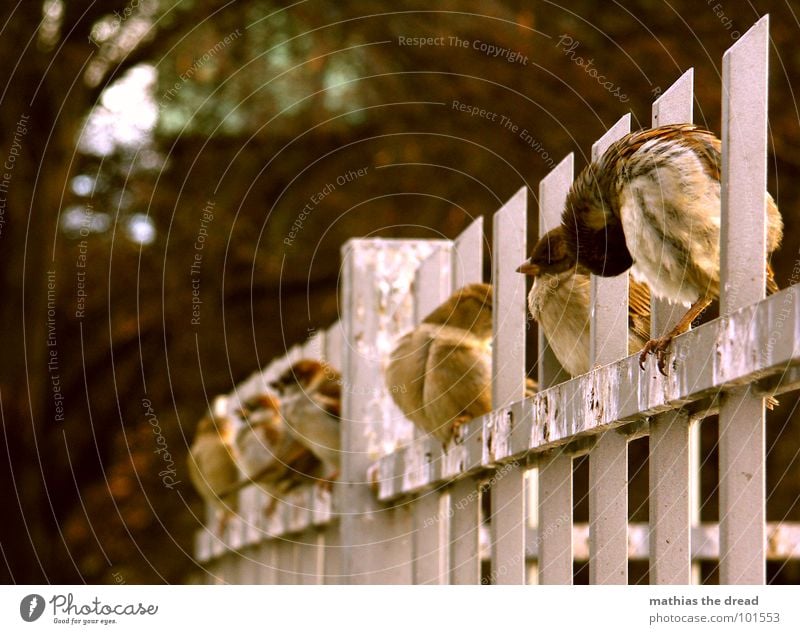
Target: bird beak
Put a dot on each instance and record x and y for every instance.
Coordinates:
(528, 268)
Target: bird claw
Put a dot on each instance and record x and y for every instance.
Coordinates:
(659, 347)
(457, 425)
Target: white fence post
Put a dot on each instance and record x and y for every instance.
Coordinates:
(671, 448)
(464, 494)
(608, 461)
(376, 307)
(555, 468)
(742, 512)
(509, 520)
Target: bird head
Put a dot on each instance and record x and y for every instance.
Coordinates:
(300, 377)
(262, 408)
(469, 308)
(550, 255)
(215, 426)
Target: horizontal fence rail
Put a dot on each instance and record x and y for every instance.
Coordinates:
(404, 510)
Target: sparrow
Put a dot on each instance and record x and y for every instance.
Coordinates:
(559, 302)
(267, 454)
(311, 394)
(212, 469)
(439, 374)
(651, 202)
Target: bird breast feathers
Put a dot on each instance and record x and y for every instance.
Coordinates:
(670, 213)
(560, 304)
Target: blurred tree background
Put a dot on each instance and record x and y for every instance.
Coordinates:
(143, 130)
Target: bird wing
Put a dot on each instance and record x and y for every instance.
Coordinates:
(212, 469)
(705, 144)
(331, 405)
(458, 380)
(331, 388)
(639, 309)
(469, 308)
(405, 374)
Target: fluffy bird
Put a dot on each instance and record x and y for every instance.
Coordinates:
(652, 202)
(212, 469)
(559, 302)
(311, 394)
(439, 374)
(268, 454)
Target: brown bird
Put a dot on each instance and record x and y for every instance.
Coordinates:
(559, 302)
(267, 454)
(652, 202)
(212, 469)
(311, 394)
(439, 374)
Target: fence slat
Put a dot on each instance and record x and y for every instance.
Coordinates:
(465, 564)
(287, 561)
(670, 516)
(309, 557)
(268, 573)
(743, 246)
(555, 469)
(555, 519)
(672, 443)
(608, 461)
(464, 497)
(509, 520)
(467, 266)
(433, 285)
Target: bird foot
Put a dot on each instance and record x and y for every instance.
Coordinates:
(457, 424)
(658, 347)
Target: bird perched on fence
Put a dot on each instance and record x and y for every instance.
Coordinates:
(212, 469)
(439, 374)
(268, 454)
(652, 201)
(311, 394)
(559, 302)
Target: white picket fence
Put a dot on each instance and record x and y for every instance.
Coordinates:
(404, 512)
